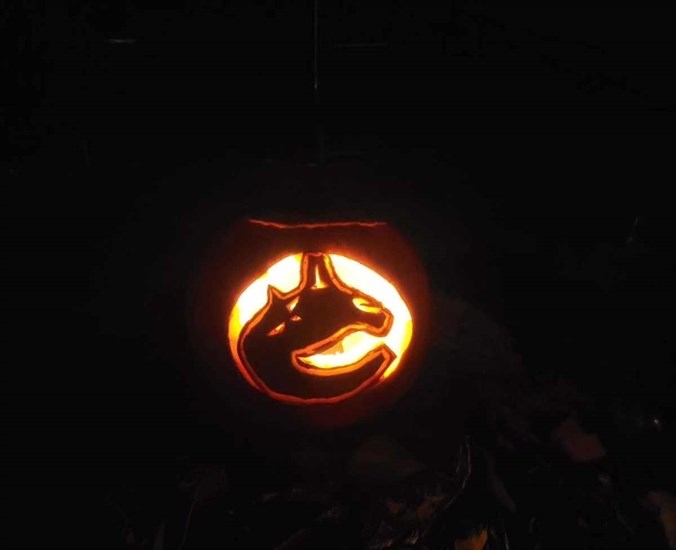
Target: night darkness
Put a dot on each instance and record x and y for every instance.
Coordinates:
(525, 150)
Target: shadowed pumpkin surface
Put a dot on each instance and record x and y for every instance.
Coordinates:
(328, 316)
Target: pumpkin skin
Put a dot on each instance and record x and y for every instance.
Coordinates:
(317, 325)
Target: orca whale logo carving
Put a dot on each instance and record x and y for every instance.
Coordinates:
(322, 340)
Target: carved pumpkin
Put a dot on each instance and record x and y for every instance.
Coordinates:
(327, 321)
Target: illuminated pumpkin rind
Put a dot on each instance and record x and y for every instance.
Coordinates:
(350, 339)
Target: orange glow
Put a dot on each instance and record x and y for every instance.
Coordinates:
(276, 225)
(348, 349)
(318, 280)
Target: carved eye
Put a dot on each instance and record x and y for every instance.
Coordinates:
(295, 318)
(365, 305)
(277, 330)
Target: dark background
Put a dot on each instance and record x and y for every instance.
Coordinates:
(526, 148)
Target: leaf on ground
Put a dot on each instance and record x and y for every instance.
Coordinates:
(577, 444)
(394, 507)
(665, 503)
(475, 542)
(428, 506)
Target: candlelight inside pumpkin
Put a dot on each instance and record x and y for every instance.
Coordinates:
(318, 328)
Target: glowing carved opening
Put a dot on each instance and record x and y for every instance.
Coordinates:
(318, 328)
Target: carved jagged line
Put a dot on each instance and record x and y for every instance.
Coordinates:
(318, 225)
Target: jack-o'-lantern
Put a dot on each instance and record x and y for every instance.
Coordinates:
(324, 323)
